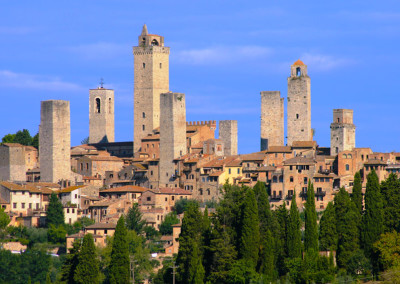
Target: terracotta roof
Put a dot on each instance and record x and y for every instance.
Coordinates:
(91, 178)
(30, 148)
(166, 238)
(304, 144)
(104, 203)
(318, 175)
(171, 190)
(101, 226)
(152, 210)
(234, 163)
(13, 186)
(26, 187)
(299, 161)
(105, 158)
(216, 174)
(259, 156)
(71, 188)
(151, 137)
(48, 184)
(126, 188)
(13, 145)
(219, 162)
(298, 62)
(279, 149)
(375, 162)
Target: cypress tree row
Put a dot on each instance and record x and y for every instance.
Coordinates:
(390, 189)
(55, 212)
(357, 197)
(294, 245)
(87, 270)
(327, 229)
(70, 264)
(311, 229)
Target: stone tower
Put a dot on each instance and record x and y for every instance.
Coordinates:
(172, 135)
(343, 131)
(55, 141)
(228, 133)
(299, 104)
(12, 162)
(151, 78)
(101, 115)
(272, 121)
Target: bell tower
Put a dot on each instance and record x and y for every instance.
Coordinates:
(151, 78)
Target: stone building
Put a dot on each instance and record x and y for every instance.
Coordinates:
(343, 131)
(172, 135)
(55, 141)
(101, 115)
(272, 119)
(228, 133)
(151, 78)
(299, 104)
(12, 162)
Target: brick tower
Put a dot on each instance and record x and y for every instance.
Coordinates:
(172, 135)
(101, 115)
(272, 121)
(343, 131)
(151, 78)
(299, 104)
(228, 133)
(55, 141)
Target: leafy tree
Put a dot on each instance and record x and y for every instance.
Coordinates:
(387, 249)
(87, 270)
(372, 223)
(119, 265)
(357, 197)
(169, 220)
(4, 221)
(241, 272)
(280, 217)
(9, 138)
(267, 256)
(54, 213)
(56, 234)
(311, 228)
(327, 229)
(23, 137)
(35, 141)
(358, 264)
(70, 264)
(134, 219)
(294, 244)
(182, 205)
(390, 189)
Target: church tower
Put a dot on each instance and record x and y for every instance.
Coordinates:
(101, 115)
(151, 78)
(299, 104)
(343, 131)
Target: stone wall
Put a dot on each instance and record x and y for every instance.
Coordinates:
(101, 117)
(272, 120)
(172, 134)
(12, 162)
(55, 141)
(343, 131)
(228, 133)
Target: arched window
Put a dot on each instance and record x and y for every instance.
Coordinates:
(344, 156)
(280, 178)
(143, 114)
(109, 105)
(208, 191)
(338, 120)
(98, 107)
(154, 42)
(347, 167)
(298, 71)
(349, 156)
(201, 191)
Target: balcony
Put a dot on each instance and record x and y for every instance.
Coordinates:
(276, 197)
(320, 193)
(250, 169)
(289, 197)
(303, 194)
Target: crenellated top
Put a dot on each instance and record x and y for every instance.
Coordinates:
(211, 123)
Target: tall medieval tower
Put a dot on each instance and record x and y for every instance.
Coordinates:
(172, 135)
(101, 115)
(55, 141)
(343, 131)
(299, 104)
(272, 120)
(151, 78)
(228, 133)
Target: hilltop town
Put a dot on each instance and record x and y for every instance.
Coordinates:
(172, 159)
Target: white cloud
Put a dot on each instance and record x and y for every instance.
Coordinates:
(222, 54)
(100, 50)
(28, 81)
(322, 62)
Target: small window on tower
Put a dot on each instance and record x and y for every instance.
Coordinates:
(338, 120)
(144, 65)
(143, 127)
(97, 105)
(109, 105)
(144, 115)
(160, 65)
(297, 116)
(298, 71)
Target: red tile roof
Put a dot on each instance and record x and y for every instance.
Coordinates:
(171, 190)
(126, 188)
(298, 62)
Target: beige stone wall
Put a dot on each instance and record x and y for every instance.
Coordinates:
(12, 163)
(151, 78)
(299, 106)
(172, 134)
(101, 120)
(228, 133)
(55, 141)
(343, 131)
(272, 120)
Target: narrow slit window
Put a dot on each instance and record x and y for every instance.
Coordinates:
(98, 107)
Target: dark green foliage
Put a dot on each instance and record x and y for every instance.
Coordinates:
(356, 196)
(70, 264)
(280, 218)
(151, 233)
(56, 235)
(134, 219)
(85, 140)
(23, 137)
(250, 233)
(358, 264)
(182, 205)
(36, 235)
(264, 209)
(169, 220)
(119, 265)
(390, 189)
(241, 272)
(54, 213)
(294, 245)
(9, 138)
(4, 221)
(267, 256)
(346, 227)
(87, 270)
(387, 250)
(35, 141)
(327, 229)
(372, 222)
(311, 228)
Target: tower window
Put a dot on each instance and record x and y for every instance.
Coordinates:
(338, 120)
(97, 105)
(347, 167)
(154, 42)
(144, 65)
(298, 71)
(144, 115)
(297, 116)
(109, 105)
(160, 65)
(143, 127)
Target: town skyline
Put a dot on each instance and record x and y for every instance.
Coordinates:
(221, 68)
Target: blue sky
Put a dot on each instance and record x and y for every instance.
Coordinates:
(223, 53)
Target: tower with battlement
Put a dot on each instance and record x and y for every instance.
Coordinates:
(272, 119)
(299, 104)
(343, 131)
(151, 78)
(228, 133)
(172, 135)
(55, 141)
(101, 115)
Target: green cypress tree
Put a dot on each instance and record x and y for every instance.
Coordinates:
(294, 244)
(119, 265)
(87, 270)
(390, 189)
(55, 212)
(134, 219)
(279, 230)
(264, 209)
(311, 229)
(70, 264)
(372, 223)
(356, 196)
(250, 234)
(267, 256)
(327, 229)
